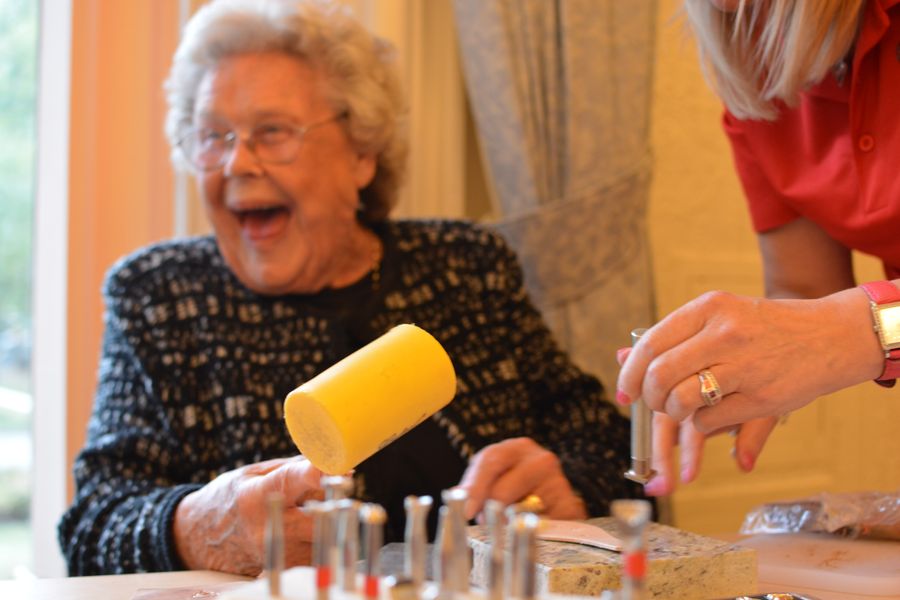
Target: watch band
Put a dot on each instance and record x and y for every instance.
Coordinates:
(884, 296)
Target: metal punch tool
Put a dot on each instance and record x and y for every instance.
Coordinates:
(641, 470)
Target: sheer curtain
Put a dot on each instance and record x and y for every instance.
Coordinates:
(560, 91)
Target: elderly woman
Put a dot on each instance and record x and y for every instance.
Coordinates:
(289, 114)
(811, 91)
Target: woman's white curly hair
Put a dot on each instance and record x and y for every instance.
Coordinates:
(359, 69)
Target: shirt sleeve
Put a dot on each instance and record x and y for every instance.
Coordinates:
(569, 412)
(767, 209)
(128, 472)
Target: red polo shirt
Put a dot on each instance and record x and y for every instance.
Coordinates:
(835, 157)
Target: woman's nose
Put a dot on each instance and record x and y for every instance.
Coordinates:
(242, 160)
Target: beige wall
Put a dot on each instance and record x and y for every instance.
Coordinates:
(697, 212)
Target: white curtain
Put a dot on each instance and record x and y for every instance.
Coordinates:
(560, 91)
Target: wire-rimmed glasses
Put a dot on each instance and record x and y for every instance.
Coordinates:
(275, 140)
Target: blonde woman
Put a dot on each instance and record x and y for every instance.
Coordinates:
(811, 91)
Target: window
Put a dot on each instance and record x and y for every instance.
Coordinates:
(18, 53)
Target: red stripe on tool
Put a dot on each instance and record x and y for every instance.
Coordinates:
(371, 586)
(636, 565)
(323, 577)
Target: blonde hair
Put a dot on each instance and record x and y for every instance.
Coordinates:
(359, 69)
(766, 51)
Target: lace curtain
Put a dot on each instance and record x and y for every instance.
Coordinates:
(560, 91)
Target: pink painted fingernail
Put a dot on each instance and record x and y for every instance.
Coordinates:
(622, 354)
(746, 461)
(656, 486)
(687, 475)
(622, 398)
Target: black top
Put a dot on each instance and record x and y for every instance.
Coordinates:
(422, 461)
(195, 368)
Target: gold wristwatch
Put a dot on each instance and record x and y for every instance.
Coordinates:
(884, 298)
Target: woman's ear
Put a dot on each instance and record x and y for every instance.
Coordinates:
(364, 170)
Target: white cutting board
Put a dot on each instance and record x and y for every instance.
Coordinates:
(824, 562)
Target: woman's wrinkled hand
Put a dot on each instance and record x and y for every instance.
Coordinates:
(750, 437)
(510, 470)
(770, 357)
(221, 526)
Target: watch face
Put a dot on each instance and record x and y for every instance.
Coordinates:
(888, 316)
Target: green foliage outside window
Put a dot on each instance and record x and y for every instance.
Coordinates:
(18, 53)
(18, 84)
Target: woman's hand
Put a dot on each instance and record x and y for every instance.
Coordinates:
(770, 357)
(510, 470)
(750, 438)
(221, 526)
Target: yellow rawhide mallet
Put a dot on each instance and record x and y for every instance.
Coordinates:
(367, 400)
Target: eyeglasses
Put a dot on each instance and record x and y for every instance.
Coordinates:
(278, 141)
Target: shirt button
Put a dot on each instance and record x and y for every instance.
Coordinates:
(865, 142)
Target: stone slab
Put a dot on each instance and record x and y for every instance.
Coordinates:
(681, 565)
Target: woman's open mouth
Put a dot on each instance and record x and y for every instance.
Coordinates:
(264, 222)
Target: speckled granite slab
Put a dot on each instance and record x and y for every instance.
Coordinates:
(682, 565)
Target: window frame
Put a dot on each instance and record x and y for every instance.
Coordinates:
(50, 290)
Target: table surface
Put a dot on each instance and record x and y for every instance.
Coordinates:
(112, 587)
(194, 585)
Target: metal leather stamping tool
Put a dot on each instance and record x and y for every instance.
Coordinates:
(641, 470)
(337, 487)
(373, 517)
(455, 500)
(274, 549)
(347, 521)
(321, 551)
(416, 538)
(496, 525)
(444, 552)
(523, 560)
(633, 516)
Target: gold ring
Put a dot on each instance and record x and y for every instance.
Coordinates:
(710, 391)
(531, 503)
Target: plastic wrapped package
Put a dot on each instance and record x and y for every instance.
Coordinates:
(860, 514)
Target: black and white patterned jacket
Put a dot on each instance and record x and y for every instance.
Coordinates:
(195, 368)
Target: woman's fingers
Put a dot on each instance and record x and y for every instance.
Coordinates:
(692, 443)
(651, 369)
(299, 481)
(539, 473)
(485, 467)
(750, 440)
(688, 395)
(511, 470)
(665, 438)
